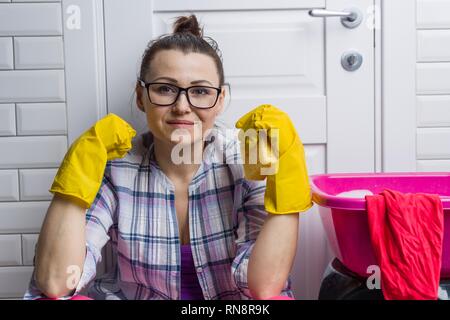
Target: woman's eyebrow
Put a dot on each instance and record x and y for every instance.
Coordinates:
(165, 78)
(175, 80)
(200, 81)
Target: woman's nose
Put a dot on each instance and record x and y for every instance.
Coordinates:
(182, 103)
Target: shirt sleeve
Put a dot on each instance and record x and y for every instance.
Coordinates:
(99, 219)
(251, 218)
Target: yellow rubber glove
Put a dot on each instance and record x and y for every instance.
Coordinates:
(287, 187)
(80, 175)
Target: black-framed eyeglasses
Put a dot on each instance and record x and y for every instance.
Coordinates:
(166, 94)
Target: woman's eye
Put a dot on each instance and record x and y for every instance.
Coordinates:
(200, 91)
(166, 89)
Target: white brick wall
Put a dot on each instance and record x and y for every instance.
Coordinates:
(32, 152)
(6, 53)
(38, 53)
(433, 85)
(32, 86)
(34, 184)
(31, 19)
(7, 119)
(22, 217)
(41, 119)
(9, 185)
(14, 281)
(33, 130)
(28, 247)
(10, 250)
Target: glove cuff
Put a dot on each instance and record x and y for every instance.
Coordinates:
(288, 191)
(81, 172)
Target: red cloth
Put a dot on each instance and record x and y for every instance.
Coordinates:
(406, 231)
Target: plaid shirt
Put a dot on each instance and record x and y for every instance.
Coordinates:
(135, 210)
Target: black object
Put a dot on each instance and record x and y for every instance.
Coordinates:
(339, 283)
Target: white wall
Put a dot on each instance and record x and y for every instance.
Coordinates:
(433, 85)
(33, 131)
(35, 125)
(415, 88)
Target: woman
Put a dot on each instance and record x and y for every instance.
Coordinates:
(179, 229)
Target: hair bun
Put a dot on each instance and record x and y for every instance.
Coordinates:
(188, 24)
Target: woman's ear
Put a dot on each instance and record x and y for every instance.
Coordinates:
(139, 98)
(219, 108)
(221, 102)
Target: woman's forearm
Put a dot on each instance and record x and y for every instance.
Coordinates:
(273, 255)
(61, 245)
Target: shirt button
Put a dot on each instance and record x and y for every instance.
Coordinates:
(199, 270)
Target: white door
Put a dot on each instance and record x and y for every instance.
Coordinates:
(274, 52)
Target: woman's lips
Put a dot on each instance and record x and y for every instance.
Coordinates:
(180, 123)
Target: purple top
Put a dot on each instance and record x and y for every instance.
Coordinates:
(190, 287)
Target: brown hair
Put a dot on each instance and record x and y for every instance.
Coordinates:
(187, 37)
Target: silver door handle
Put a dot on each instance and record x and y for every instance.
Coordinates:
(350, 18)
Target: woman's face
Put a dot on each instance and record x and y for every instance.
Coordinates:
(183, 70)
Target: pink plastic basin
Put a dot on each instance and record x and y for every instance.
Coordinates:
(345, 219)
